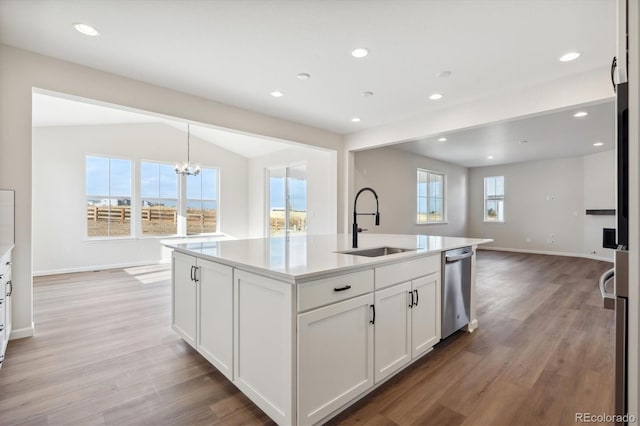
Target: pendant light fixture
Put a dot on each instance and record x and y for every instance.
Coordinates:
(187, 168)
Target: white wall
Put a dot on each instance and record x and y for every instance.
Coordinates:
(599, 193)
(391, 172)
(322, 188)
(544, 198)
(21, 71)
(59, 203)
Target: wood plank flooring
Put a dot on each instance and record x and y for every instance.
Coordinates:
(104, 353)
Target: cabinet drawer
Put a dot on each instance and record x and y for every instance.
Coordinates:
(330, 290)
(406, 271)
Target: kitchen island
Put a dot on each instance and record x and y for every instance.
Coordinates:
(304, 330)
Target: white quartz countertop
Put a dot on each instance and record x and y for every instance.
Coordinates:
(303, 258)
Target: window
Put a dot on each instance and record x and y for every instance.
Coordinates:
(431, 197)
(202, 202)
(287, 200)
(108, 191)
(494, 199)
(159, 199)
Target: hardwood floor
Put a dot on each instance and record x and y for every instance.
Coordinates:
(104, 353)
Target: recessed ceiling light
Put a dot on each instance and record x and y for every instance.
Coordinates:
(276, 94)
(360, 52)
(442, 139)
(490, 157)
(435, 96)
(580, 114)
(598, 144)
(355, 119)
(303, 76)
(85, 29)
(367, 94)
(569, 56)
(444, 74)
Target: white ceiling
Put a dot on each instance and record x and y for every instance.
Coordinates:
(553, 135)
(56, 111)
(237, 51)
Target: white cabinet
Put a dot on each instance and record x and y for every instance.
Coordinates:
(407, 323)
(335, 356)
(184, 307)
(203, 308)
(392, 329)
(425, 314)
(215, 315)
(264, 349)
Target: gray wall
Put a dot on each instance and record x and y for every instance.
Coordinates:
(545, 204)
(392, 174)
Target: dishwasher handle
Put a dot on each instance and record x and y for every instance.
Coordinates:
(455, 258)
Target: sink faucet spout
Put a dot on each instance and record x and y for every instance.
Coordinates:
(355, 228)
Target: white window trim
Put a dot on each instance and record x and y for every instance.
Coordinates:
(183, 200)
(136, 197)
(486, 198)
(444, 220)
(133, 231)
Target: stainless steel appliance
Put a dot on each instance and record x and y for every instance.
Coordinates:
(456, 289)
(620, 84)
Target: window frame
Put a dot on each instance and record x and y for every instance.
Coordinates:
(183, 199)
(487, 198)
(429, 196)
(132, 226)
(136, 200)
(140, 198)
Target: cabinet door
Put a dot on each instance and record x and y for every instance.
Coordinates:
(426, 314)
(263, 350)
(215, 305)
(335, 356)
(393, 329)
(184, 314)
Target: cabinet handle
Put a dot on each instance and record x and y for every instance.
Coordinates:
(192, 273)
(195, 274)
(10, 284)
(346, 287)
(411, 303)
(373, 309)
(416, 292)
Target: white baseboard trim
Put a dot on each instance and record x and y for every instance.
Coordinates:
(550, 253)
(97, 268)
(21, 333)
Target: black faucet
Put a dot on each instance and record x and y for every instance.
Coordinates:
(355, 215)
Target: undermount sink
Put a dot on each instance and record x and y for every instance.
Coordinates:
(376, 252)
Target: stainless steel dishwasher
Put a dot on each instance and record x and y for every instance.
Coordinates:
(456, 289)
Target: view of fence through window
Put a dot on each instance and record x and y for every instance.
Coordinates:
(109, 199)
(202, 202)
(159, 193)
(108, 189)
(288, 201)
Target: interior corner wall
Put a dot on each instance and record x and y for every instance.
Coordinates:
(322, 196)
(60, 243)
(599, 193)
(21, 71)
(545, 203)
(392, 173)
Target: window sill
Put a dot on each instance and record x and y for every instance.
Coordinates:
(494, 221)
(432, 223)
